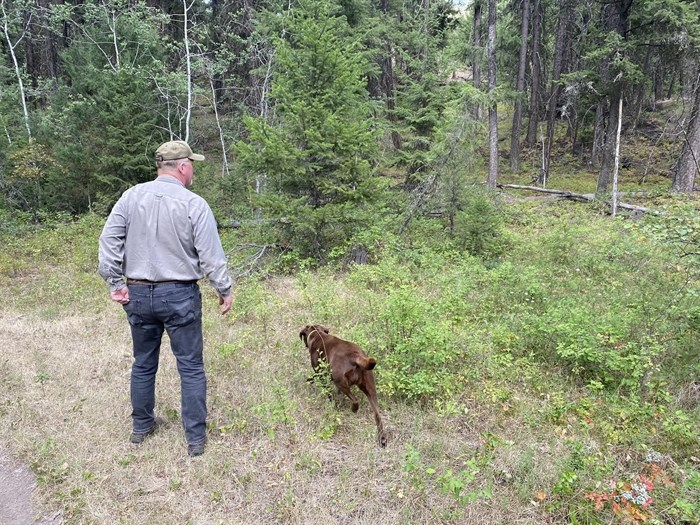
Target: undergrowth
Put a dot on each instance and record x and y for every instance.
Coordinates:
(571, 347)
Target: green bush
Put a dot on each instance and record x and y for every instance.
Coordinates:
(595, 345)
(479, 227)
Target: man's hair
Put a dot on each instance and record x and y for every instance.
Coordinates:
(160, 164)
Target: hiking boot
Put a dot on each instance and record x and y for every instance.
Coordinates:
(196, 450)
(139, 437)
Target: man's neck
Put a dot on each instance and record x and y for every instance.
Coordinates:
(175, 175)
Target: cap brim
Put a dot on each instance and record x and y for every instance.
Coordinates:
(196, 156)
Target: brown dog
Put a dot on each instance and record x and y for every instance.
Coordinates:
(349, 366)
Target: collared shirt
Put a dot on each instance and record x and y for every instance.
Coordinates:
(161, 231)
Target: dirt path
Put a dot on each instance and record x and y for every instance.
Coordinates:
(17, 484)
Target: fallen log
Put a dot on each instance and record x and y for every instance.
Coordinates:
(588, 197)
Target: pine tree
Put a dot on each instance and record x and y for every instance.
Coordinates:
(316, 157)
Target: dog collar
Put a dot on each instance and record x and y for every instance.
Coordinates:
(312, 332)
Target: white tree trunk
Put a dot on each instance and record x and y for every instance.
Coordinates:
(113, 28)
(224, 165)
(617, 160)
(18, 73)
(188, 59)
(493, 111)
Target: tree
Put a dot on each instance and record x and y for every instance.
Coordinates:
(536, 73)
(686, 170)
(519, 89)
(616, 18)
(188, 64)
(478, 52)
(560, 45)
(493, 111)
(104, 141)
(420, 93)
(43, 46)
(317, 153)
(104, 121)
(12, 42)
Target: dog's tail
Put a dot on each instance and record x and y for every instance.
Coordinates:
(368, 363)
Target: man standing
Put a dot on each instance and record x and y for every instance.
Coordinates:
(158, 241)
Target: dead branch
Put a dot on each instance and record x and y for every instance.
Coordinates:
(587, 197)
(249, 264)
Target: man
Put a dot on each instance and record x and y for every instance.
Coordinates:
(159, 239)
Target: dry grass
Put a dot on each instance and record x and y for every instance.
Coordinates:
(279, 451)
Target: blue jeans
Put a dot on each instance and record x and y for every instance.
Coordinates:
(177, 309)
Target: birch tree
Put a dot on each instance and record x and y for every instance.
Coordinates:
(12, 44)
(493, 111)
(188, 65)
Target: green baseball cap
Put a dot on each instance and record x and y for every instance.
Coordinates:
(176, 149)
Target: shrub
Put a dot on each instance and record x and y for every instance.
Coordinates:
(479, 227)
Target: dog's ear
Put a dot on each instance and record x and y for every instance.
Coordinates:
(322, 328)
(304, 333)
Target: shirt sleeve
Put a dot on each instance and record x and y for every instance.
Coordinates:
(212, 258)
(111, 247)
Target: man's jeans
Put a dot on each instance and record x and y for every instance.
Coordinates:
(176, 308)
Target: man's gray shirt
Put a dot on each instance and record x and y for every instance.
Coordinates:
(161, 231)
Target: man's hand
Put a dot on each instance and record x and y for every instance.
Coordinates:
(225, 303)
(121, 296)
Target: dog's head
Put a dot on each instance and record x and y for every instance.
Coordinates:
(309, 329)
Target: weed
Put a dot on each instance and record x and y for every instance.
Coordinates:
(449, 482)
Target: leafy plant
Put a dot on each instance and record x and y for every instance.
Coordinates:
(479, 226)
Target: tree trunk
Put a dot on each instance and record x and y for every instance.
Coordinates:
(659, 74)
(41, 49)
(520, 90)
(617, 157)
(387, 81)
(687, 68)
(615, 18)
(608, 158)
(11, 48)
(534, 112)
(493, 112)
(476, 60)
(555, 88)
(639, 93)
(188, 63)
(598, 134)
(388, 87)
(687, 168)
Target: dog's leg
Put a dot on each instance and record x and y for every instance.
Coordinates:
(344, 386)
(369, 388)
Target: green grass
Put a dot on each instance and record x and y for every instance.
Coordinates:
(518, 388)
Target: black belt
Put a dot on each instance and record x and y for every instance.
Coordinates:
(150, 283)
